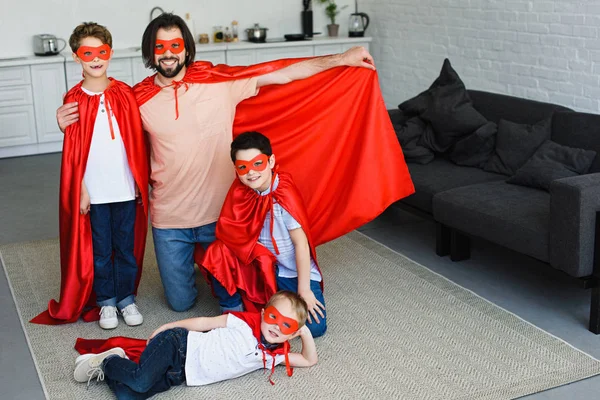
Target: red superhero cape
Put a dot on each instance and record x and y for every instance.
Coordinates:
(76, 255)
(332, 130)
(236, 259)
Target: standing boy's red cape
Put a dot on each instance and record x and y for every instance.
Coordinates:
(331, 130)
(76, 254)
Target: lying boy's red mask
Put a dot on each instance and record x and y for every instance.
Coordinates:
(258, 163)
(286, 325)
(88, 53)
(176, 46)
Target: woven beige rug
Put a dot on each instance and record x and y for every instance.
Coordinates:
(396, 331)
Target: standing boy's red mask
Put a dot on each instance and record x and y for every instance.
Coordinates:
(286, 325)
(258, 163)
(88, 53)
(176, 46)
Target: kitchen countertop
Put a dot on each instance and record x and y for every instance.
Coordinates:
(30, 60)
(135, 51)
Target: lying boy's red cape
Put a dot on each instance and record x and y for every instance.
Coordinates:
(332, 131)
(76, 255)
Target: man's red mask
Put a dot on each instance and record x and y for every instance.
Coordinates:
(286, 325)
(87, 53)
(258, 163)
(176, 46)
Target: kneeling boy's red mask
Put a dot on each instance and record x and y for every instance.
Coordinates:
(286, 325)
(258, 163)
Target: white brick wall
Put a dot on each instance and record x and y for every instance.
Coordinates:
(541, 49)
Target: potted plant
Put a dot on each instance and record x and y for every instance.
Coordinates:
(332, 10)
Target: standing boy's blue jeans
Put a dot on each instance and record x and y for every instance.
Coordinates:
(175, 257)
(291, 284)
(161, 366)
(115, 268)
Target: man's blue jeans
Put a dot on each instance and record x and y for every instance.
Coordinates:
(161, 366)
(175, 257)
(291, 284)
(115, 268)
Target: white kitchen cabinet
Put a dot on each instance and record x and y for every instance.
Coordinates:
(325, 50)
(346, 46)
(241, 57)
(15, 96)
(139, 70)
(215, 57)
(11, 76)
(17, 126)
(263, 55)
(48, 84)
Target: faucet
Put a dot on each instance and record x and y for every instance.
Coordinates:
(155, 9)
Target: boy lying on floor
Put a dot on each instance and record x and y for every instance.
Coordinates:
(205, 350)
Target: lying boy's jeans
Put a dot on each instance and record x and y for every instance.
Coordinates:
(161, 366)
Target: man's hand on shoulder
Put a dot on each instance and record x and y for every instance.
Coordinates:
(357, 56)
(66, 115)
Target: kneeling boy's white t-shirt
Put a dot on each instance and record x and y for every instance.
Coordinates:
(224, 353)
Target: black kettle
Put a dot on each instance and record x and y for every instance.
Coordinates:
(358, 23)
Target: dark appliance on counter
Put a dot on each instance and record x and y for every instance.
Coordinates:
(307, 18)
(47, 45)
(358, 23)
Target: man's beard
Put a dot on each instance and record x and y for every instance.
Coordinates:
(172, 71)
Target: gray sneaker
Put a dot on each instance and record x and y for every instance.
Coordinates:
(89, 366)
(132, 315)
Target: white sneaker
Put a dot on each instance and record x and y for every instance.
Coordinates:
(89, 366)
(108, 317)
(132, 315)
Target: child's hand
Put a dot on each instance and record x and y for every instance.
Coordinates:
(138, 196)
(314, 306)
(84, 201)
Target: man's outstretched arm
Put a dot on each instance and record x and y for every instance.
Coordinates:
(354, 57)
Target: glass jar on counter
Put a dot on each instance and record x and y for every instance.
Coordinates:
(234, 31)
(217, 34)
(203, 38)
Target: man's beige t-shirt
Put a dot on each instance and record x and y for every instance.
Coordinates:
(191, 169)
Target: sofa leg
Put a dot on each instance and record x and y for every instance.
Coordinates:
(442, 239)
(460, 246)
(595, 306)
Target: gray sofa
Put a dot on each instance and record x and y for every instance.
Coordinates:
(557, 226)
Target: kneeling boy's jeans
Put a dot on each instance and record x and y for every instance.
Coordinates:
(291, 284)
(161, 366)
(115, 267)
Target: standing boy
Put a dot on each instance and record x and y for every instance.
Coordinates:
(205, 350)
(265, 207)
(103, 191)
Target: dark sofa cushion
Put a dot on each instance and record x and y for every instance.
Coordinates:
(447, 107)
(475, 149)
(512, 216)
(440, 175)
(495, 106)
(515, 144)
(409, 130)
(579, 130)
(552, 161)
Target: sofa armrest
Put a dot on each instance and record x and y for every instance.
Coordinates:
(574, 202)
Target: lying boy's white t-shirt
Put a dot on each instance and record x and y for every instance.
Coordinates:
(224, 353)
(107, 177)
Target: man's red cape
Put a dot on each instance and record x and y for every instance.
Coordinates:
(236, 259)
(76, 254)
(332, 130)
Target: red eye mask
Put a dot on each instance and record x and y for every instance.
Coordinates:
(286, 325)
(87, 53)
(176, 46)
(258, 163)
